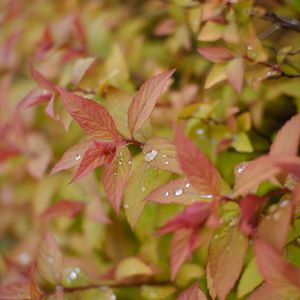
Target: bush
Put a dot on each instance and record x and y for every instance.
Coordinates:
(181, 121)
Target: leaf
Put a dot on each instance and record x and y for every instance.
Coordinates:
(145, 99)
(235, 73)
(72, 157)
(177, 191)
(249, 206)
(279, 221)
(263, 168)
(201, 173)
(264, 292)
(184, 243)
(132, 267)
(250, 279)
(216, 75)
(115, 176)
(81, 66)
(15, 291)
(280, 275)
(287, 138)
(158, 292)
(92, 117)
(142, 180)
(192, 216)
(165, 157)
(216, 54)
(41, 80)
(192, 293)
(50, 260)
(225, 260)
(210, 32)
(63, 208)
(40, 154)
(96, 155)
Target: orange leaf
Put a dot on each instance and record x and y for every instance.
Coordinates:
(92, 117)
(192, 293)
(145, 99)
(216, 54)
(200, 171)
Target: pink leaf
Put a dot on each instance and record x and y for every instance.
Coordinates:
(263, 168)
(225, 261)
(92, 117)
(201, 173)
(193, 216)
(192, 293)
(63, 208)
(280, 275)
(178, 191)
(115, 176)
(279, 221)
(216, 54)
(41, 80)
(287, 138)
(96, 155)
(264, 292)
(49, 110)
(184, 243)
(145, 99)
(235, 73)
(72, 157)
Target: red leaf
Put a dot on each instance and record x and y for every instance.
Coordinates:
(201, 173)
(145, 99)
(92, 117)
(225, 261)
(192, 293)
(235, 73)
(216, 54)
(115, 176)
(177, 191)
(249, 206)
(193, 216)
(280, 275)
(287, 138)
(41, 80)
(63, 208)
(96, 155)
(184, 243)
(72, 157)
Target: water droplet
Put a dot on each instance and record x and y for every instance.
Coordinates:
(284, 203)
(206, 196)
(130, 162)
(113, 297)
(166, 162)
(200, 131)
(143, 189)
(240, 168)
(24, 258)
(187, 185)
(216, 236)
(50, 260)
(126, 206)
(276, 216)
(120, 162)
(233, 222)
(164, 156)
(166, 194)
(77, 157)
(178, 192)
(150, 155)
(73, 275)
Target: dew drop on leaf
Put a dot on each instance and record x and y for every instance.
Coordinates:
(77, 157)
(150, 155)
(166, 162)
(113, 297)
(130, 162)
(73, 275)
(126, 206)
(187, 185)
(164, 156)
(166, 194)
(143, 189)
(24, 258)
(240, 168)
(178, 192)
(200, 131)
(284, 203)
